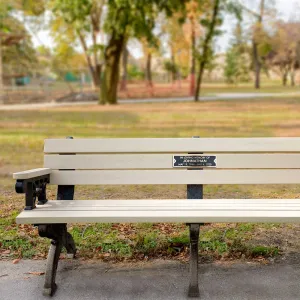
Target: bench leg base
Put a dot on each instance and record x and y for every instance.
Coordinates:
(60, 238)
(193, 292)
(70, 246)
(51, 268)
(194, 240)
(50, 291)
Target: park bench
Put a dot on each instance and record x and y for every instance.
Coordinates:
(189, 161)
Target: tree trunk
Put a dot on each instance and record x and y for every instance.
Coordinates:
(256, 58)
(148, 70)
(95, 71)
(173, 64)
(257, 65)
(1, 76)
(193, 61)
(284, 78)
(206, 47)
(123, 86)
(110, 80)
(292, 75)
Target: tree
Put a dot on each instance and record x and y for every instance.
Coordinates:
(236, 67)
(69, 58)
(192, 8)
(283, 50)
(80, 21)
(12, 32)
(172, 68)
(211, 22)
(123, 86)
(149, 49)
(127, 18)
(259, 35)
(177, 35)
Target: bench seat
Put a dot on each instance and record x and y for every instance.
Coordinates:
(188, 211)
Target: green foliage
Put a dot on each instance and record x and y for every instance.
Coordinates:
(5, 10)
(264, 251)
(134, 72)
(136, 18)
(75, 12)
(237, 67)
(20, 57)
(170, 66)
(32, 7)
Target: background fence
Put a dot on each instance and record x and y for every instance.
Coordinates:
(23, 85)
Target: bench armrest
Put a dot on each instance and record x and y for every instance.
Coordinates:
(30, 174)
(33, 183)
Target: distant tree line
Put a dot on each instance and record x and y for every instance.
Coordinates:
(184, 31)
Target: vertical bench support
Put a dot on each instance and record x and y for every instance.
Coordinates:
(66, 192)
(194, 191)
(51, 268)
(60, 238)
(194, 240)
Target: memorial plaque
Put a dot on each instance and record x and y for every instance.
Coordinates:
(187, 161)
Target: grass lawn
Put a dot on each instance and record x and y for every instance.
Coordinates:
(267, 87)
(21, 147)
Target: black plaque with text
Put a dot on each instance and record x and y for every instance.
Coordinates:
(187, 161)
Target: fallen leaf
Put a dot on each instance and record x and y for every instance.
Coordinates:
(6, 252)
(35, 273)
(15, 261)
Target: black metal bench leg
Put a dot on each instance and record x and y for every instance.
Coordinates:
(194, 239)
(51, 268)
(60, 238)
(70, 246)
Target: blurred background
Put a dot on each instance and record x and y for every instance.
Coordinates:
(58, 51)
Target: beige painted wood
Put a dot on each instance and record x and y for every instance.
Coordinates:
(165, 161)
(177, 177)
(172, 145)
(152, 204)
(31, 173)
(233, 210)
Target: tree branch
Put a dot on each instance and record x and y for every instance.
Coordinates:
(248, 10)
(206, 46)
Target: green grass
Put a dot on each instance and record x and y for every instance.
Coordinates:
(21, 139)
(267, 87)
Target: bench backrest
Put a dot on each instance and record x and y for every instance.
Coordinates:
(158, 160)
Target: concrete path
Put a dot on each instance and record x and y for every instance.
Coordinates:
(223, 96)
(154, 280)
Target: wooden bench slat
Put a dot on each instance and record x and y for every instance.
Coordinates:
(234, 211)
(178, 177)
(148, 145)
(31, 173)
(165, 202)
(165, 161)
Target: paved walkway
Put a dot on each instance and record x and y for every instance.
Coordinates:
(155, 280)
(223, 96)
